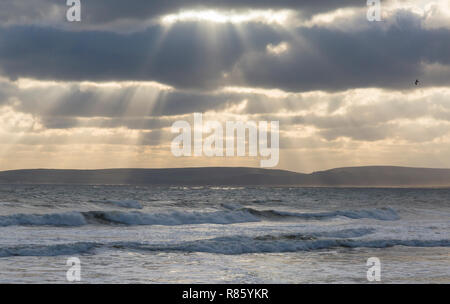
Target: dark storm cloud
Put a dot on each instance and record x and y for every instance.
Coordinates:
(109, 11)
(329, 59)
(26, 11)
(185, 57)
(190, 56)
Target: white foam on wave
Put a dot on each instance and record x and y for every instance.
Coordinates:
(133, 218)
(172, 218)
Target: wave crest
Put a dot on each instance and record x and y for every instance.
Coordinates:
(53, 219)
(384, 214)
(134, 218)
(232, 245)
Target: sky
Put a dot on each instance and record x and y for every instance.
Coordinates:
(104, 92)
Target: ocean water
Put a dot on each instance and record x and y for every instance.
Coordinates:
(131, 234)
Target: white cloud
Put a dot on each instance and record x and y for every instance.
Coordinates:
(233, 17)
(278, 49)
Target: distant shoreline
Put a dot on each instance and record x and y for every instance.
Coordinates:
(353, 177)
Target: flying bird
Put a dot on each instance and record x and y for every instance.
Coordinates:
(416, 82)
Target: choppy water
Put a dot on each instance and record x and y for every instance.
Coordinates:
(128, 234)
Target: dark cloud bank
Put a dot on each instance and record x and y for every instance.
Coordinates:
(189, 56)
(109, 11)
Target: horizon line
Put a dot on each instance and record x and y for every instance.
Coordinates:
(226, 167)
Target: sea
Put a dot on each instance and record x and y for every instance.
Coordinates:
(150, 234)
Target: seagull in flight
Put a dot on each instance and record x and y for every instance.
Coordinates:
(416, 82)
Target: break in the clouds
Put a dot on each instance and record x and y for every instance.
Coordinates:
(104, 92)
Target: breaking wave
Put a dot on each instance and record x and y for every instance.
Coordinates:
(244, 245)
(232, 245)
(134, 218)
(127, 218)
(384, 214)
(169, 219)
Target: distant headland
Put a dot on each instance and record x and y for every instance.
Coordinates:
(371, 176)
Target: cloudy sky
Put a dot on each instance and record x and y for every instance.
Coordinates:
(104, 92)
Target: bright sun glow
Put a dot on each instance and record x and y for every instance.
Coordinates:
(266, 16)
